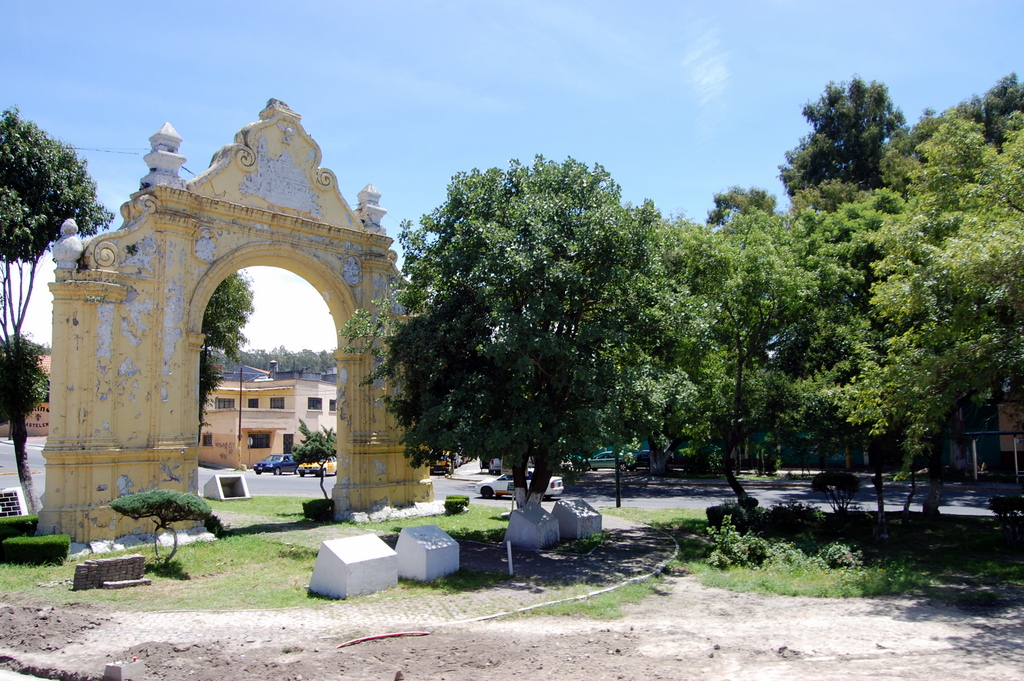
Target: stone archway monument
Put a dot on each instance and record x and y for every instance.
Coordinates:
(128, 311)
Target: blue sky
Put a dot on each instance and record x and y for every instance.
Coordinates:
(677, 100)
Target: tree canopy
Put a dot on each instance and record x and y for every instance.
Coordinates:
(226, 314)
(527, 291)
(851, 124)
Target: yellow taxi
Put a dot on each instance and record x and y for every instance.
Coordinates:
(330, 468)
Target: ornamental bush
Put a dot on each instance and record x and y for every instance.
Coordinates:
(1010, 511)
(839, 488)
(165, 507)
(746, 517)
(455, 504)
(319, 510)
(794, 516)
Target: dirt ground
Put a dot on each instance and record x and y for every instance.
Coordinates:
(685, 632)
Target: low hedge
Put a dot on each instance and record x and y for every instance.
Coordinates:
(6, 532)
(455, 504)
(320, 510)
(24, 524)
(47, 549)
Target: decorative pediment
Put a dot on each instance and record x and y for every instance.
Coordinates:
(275, 165)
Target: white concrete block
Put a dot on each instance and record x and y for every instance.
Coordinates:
(226, 486)
(576, 519)
(426, 553)
(532, 528)
(354, 566)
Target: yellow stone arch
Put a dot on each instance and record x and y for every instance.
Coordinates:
(128, 316)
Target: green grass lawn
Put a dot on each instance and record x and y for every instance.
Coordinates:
(266, 560)
(950, 557)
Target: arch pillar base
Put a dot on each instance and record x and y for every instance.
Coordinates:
(80, 483)
(373, 476)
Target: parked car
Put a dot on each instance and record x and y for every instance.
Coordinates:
(276, 464)
(441, 467)
(643, 458)
(495, 466)
(606, 459)
(313, 468)
(502, 486)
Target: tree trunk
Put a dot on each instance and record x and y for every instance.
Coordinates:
(730, 474)
(659, 462)
(661, 455)
(930, 507)
(958, 455)
(19, 435)
(910, 497)
(875, 454)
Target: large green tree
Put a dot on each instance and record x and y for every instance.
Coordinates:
(994, 110)
(851, 126)
(226, 314)
(527, 291)
(949, 292)
(42, 183)
(740, 287)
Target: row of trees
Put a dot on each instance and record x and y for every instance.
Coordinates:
(548, 319)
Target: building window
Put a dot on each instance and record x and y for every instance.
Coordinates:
(259, 440)
(277, 403)
(225, 403)
(332, 406)
(314, 404)
(254, 403)
(288, 439)
(207, 439)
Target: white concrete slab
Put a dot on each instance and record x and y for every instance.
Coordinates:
(426, 553)
(576, 519)
(354, 566)
(532, 528)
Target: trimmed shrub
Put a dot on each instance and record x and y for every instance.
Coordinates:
(839, 488)
(25, 524)
(165, 507)
(48, 549)
(455, 504)
(793, 516)
(6, 532)
(1010, 511)
(746, 517)
(319, 510)
(214, 526)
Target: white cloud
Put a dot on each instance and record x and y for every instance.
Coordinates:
(705, 66)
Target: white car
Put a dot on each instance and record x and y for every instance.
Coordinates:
(502, 486)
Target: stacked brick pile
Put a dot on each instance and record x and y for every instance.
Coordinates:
(110, 573)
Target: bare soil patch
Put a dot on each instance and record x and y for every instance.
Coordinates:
(685, 632)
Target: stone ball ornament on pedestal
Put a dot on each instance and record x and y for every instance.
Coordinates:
(68, 248)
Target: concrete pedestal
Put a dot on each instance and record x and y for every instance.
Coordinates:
(426, 553)
(576, 519)
(532, 528)
(354, 566)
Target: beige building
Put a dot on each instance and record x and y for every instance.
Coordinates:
(247, 420)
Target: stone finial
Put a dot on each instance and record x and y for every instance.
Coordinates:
(277, 106)
(369, 210)
(68, 248)
(164, 160)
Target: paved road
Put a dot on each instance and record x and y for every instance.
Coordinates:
(596, 487)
